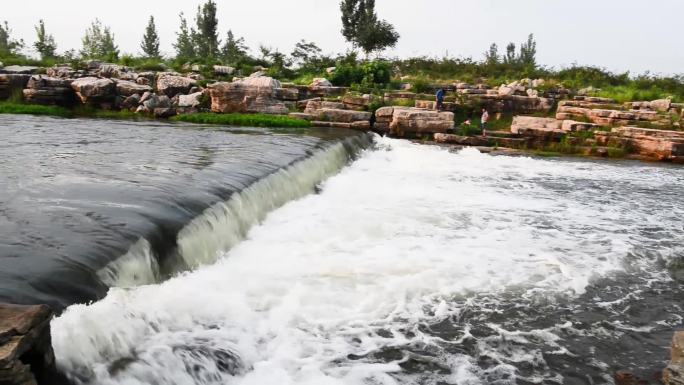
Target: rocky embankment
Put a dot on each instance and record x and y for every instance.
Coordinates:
(590, 125)
(26, 356)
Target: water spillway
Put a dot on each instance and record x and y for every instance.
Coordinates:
(320, 258)
(414, 265)
(92, 204)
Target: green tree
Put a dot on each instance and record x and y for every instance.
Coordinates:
(98, 43)
(510, 57)
(306, 53)
(8, 45)
(150, 41)
(362, 27)
(185, 47)
(206, 37)
(528, 52)
(234, 51)
(492, 56)
(45, 43)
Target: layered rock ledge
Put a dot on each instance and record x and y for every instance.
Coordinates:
(26, 356)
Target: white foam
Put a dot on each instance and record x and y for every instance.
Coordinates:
(392, 241)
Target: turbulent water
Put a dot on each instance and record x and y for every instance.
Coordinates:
(413, 265)
(90, 204)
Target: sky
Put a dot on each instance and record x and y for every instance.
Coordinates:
(620, 35)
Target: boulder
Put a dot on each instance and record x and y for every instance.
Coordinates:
(320, 82)
(24, 70)
(223, 70)
(662, 105)
(172, 85)
(164, 113)
(49, 90)
(289, 94)
(674, 374)
(542, 128)
(356, 102)
(65, 72)
(91, 90)
(26, 356)
(506, 91)
(11, 84)
(192, 100)
(253, 94)
(110, 70)
(341, 116)
(127, 88)
(132, 102)
(407, 121)
(155, 101)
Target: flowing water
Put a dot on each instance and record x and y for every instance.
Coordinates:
(90, 204)
(412, 265)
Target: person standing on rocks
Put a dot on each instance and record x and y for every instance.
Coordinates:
(440, 99)
(483, 121)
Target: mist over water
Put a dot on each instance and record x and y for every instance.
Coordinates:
(414, 265)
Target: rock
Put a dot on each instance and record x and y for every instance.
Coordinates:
(110, 70)
(320, 82)
(341, 116)
(93, 65)
(290, 93)
(155, 101)
(12, 84)
(26, 356)
(171, 85)
(506, 91)
(164, 113)
(128, 88)
(192, 100)
(92, 90)
(258, 74)
(542, 128)
(49, 90)
(663, 145)
(145, 97)
(23, 70)
(674, 374)
(662, 105)
(532, 93)
(223, 70)
(355, 102)
(407, 121)
(65, 72)
(330, 70)
(131, 103)
(573, 126)
(253, 94)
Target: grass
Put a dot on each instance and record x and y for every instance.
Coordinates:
(249, 120)
(34, 109)
(62, 112)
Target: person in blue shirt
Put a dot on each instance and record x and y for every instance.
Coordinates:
(440, 99)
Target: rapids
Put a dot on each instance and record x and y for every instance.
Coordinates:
(413, 265)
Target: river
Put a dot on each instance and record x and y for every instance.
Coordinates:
(401, 264)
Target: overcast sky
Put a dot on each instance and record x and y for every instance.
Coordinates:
(621, 35)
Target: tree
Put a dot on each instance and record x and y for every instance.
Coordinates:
(362, 28)
(45, 44)
(8, 45)
(185, 47)
(306, 52)
(150, 41)
(510, 57)
(528, 52)
(98, 43)
(234, 50)
(206, 38)
(492, 56)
